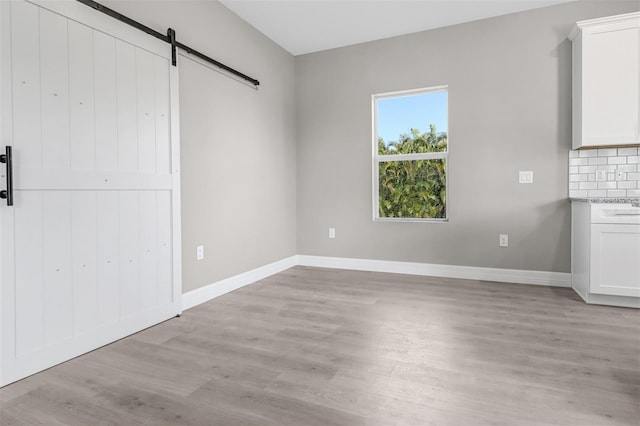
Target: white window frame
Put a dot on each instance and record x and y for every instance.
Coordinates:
(377, 159)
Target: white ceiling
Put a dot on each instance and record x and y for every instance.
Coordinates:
(305, 26)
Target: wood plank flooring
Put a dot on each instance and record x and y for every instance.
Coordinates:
(313, 346)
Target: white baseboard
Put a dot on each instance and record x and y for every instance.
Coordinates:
(518, 276)
(211, 291)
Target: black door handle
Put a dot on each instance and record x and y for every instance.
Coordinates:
(8, 193)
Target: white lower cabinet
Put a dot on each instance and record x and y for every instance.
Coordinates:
(605, 253)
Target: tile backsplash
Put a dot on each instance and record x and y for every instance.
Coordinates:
(604, 173)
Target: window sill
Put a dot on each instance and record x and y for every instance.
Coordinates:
(409, 220)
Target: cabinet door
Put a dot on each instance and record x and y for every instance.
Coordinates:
(611, 86)
(615, 259)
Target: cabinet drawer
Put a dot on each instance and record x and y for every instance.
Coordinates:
(615, 213)
(615, 259)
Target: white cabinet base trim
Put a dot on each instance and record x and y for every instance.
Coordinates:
(603, 299)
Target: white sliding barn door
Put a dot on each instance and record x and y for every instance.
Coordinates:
(90, 251)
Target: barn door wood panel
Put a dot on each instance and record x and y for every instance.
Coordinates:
(90, 250)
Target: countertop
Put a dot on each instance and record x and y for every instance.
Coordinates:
(606, 200)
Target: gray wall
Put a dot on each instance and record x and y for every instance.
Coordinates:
(509, 109)
(238, 144)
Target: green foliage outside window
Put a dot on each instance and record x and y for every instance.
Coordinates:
(413, 188)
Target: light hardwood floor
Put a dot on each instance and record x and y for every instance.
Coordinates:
(314, 346)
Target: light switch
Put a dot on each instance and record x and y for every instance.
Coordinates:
(526, 176)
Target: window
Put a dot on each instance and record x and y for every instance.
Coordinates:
(410, 155)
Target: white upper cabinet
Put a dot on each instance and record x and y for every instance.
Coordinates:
(606, 81)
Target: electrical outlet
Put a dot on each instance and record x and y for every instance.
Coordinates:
(620, 175)
(504, 240)
(332, 232)
(199, 252)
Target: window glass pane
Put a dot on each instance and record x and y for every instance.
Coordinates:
(412, 124)
(412, 189)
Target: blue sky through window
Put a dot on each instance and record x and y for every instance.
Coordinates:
(398, 114)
